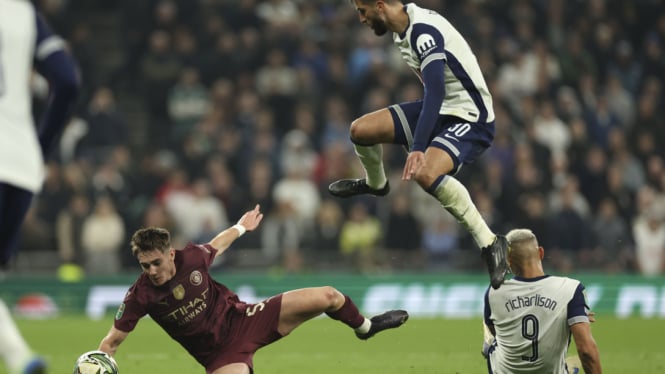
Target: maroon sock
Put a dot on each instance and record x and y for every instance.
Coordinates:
(348, 314)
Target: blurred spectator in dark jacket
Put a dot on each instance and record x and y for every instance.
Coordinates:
(612, 239)
(159, 68)
(403, 234)
(187, 103)
(106, 127)
(69, 229)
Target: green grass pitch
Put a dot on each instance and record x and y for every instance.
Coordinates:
(324, 346)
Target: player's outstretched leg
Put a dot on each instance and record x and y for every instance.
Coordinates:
(387, 320)
(14, 350)
(495, 257)
(353, 187)
(375, 181)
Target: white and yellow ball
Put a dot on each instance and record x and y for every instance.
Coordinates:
(95, 362)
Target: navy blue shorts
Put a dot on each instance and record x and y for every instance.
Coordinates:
(463, 140)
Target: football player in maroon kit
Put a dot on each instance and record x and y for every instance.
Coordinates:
(221, 332)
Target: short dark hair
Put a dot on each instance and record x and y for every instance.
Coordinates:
(366, 2)
(150, 239)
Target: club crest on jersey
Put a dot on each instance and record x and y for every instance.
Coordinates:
(178, 292)
(195, 278)
(425, 44)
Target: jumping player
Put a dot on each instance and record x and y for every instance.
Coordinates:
(451, 126)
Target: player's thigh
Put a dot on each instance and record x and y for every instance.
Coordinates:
(236, 368)
(404, 118)
(437, 162)
(303, 304)
(373, 128)
(463, 143)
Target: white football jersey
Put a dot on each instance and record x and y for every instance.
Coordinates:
(21, 161)
(430, 37)
(532, 319)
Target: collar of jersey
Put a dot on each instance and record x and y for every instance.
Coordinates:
(403, 35)
(522, 279)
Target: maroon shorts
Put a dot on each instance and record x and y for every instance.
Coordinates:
(250, 328)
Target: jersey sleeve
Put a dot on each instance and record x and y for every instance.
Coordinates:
(487, 310)
(428, 43)
(46, 42)
(578, 309)
(129, 312)
(206, 252)
(54, 63)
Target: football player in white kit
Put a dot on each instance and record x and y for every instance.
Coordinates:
(529, 320)
(26, 43)
(451, 126)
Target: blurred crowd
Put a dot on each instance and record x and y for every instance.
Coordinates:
(247, 101)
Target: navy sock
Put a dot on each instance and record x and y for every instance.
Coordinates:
(14, 204)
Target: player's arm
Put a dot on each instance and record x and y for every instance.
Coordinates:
(248, 222)
(429, 44)
(586, 348)
(55, 64)
(580, 327)
(487, 313)
(489, 332)
(112, 340)
(434, 92)
(432, 65)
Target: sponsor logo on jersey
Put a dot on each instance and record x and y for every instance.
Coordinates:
(187, 312)
(425, 44)
(195, 278)
(178, 292)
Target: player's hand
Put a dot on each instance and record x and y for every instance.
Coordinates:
(592, 316)
(414, 161)
(250, 220)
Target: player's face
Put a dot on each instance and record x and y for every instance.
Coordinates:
(159, 266)
(368, 15)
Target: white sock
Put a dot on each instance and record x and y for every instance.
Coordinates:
(13, 349)
(364, 328)
(456, 199)
(371, 157)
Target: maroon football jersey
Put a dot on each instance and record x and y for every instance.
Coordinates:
(192, 308)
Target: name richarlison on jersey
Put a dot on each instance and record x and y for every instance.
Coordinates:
(527, 301)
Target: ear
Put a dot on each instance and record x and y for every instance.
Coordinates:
(509, 264)
(541, 252)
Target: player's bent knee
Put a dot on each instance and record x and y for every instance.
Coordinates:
(371, 129)
(358, 132)
(425, 177)
(331, 296)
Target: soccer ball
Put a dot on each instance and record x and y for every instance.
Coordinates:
(96, 362)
